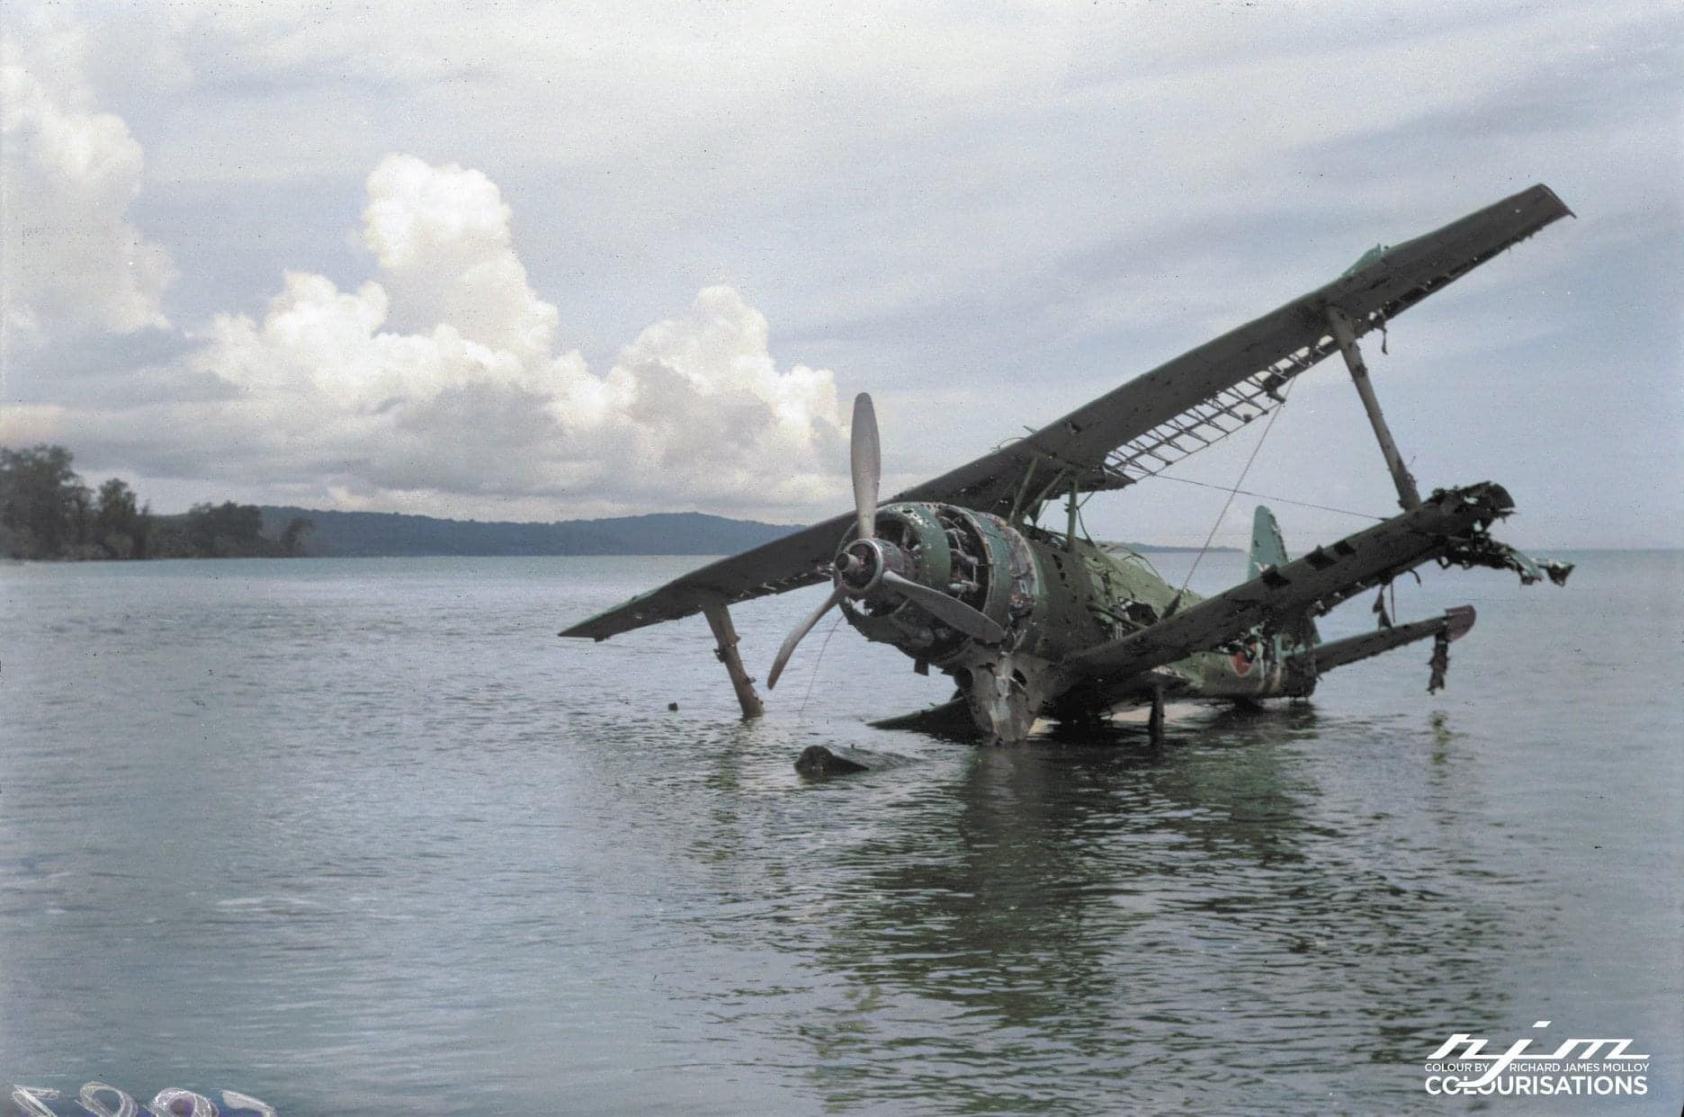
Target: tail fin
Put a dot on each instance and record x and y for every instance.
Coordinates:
(1267, 546)
(1268, 549)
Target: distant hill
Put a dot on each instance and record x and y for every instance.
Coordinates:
(1155, 549)
(371, 534)
(375, 534)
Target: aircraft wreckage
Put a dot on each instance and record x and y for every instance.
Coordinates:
(1030, 622)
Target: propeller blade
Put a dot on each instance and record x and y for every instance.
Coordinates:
(949, 610)
(794, 638)
(865, 460)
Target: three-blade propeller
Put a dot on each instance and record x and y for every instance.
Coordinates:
(861, 571)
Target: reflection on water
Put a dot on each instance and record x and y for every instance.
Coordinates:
(1101, 919)
(371, 819)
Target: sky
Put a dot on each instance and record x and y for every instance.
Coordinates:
(511, 261)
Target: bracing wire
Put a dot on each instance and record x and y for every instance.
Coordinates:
(1229, 503)
(1267, 496)
(817, 661)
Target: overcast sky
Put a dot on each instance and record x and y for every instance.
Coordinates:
(537, 262)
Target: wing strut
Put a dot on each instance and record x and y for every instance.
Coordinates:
(1407, 495)
(719, 619)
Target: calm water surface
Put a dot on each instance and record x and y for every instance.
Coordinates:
(363, 836)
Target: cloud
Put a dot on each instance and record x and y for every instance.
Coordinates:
(441, 235)
(73, 261)
(436, 385)
(984, 220)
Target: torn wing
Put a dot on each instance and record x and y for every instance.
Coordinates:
(1141, 427)
(1451, 525)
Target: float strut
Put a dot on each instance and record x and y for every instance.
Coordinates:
(719, 619)
(1407, 495)
(1155, 723)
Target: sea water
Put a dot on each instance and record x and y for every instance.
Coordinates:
(365, 836)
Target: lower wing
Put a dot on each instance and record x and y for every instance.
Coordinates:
(1451, 526)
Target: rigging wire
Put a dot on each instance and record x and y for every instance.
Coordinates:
(1266, 496)
(817, 662)
(1229, 503)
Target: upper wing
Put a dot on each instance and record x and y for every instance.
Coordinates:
(1143, 426)
(1199, 397)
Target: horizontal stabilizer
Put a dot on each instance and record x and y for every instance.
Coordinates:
(1454, 624)
(1448, 525)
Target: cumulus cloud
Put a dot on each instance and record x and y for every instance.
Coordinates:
(72, 260)
(441, 235)
(985, 220)
(436, 385)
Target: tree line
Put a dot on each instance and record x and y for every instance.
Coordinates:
(48, 512)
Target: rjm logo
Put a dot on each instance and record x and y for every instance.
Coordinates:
(1573, 1050)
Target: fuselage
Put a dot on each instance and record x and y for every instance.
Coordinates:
(1054, 596)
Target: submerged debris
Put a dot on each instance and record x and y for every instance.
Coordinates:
(819, 762)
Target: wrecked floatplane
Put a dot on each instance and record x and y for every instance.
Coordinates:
(1031, 622)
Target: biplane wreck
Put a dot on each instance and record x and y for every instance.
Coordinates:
(1031, 622)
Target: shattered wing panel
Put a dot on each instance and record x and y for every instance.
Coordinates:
(783, 564)
(1209, 392)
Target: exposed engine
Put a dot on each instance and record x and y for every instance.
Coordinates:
(973, 557)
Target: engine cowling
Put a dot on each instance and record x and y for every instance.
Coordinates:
(973, 556)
